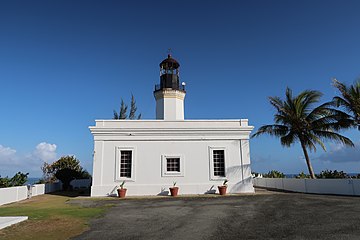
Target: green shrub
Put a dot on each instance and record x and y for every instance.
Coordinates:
(332, 174)
(302, 175)
(18, 179)
(274, 174)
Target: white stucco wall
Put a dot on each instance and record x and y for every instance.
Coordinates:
(151, 139)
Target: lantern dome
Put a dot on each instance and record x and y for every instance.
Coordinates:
(169, 63)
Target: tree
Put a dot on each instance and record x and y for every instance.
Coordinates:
(133, 109)
(332, 174)
(4, 182)
(19, 179)
(350, 101)
(122, 113)
(48, 175)
(66, 169)
(123, 110)
(302, 175)
(297, 120)
(274, 174)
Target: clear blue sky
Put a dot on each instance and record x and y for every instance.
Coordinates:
(64, 64)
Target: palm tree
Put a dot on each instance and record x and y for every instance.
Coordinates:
(297, 120)
(350, 101)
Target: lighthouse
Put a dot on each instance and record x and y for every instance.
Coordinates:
(151, 154)
(169, 94)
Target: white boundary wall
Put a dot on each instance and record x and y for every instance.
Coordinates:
(52, 187)
(81, 183)
(319, 186)
(14, 194)
(37, 189)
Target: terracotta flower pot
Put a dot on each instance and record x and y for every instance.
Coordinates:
(174, 191)
(222, 190)
(121, 192)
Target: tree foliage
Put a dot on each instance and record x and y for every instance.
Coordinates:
(349, 101)
(297, 120)
(66, 169)
(274, 174)
(302, 175)
(332, 174)
(19, 179)
(123, 110)
(133, 108)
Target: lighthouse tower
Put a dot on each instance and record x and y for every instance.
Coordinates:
(169, 94)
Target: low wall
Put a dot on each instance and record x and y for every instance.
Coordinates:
(81, 183)
(53, 187)
(14, 194)
(37, 189)
(319, 186)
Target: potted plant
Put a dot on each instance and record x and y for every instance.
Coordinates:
(223, 187)
(174, 190)
(121, 190)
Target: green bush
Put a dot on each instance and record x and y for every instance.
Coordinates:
(332, 174)
(18, 179)
(302, 175)
(274, 174)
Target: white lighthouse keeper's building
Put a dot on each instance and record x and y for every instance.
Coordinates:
(152, 154)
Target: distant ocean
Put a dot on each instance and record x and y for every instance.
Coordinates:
(294, 175)
(32, 180)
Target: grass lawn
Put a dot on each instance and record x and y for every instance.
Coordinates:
(50, 217)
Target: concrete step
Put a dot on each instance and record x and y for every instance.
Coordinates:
(8, 221)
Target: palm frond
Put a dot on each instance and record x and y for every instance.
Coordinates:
(277, 103)
(273, 130)
(316, 140)
(308, 141)
(335, 137)
(288, 139)
(349, 99)
(342, 103)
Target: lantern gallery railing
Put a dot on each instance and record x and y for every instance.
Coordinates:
(180, 87)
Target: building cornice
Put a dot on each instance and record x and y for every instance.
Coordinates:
(169, 93)
(137, 130)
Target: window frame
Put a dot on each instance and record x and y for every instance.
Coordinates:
(211, 163)
(165, 172)
(118, 163)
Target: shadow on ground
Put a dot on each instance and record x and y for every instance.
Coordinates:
(73, 193)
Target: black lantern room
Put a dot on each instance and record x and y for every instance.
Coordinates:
(169, 75)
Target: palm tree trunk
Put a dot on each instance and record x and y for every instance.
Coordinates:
(310, 168)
